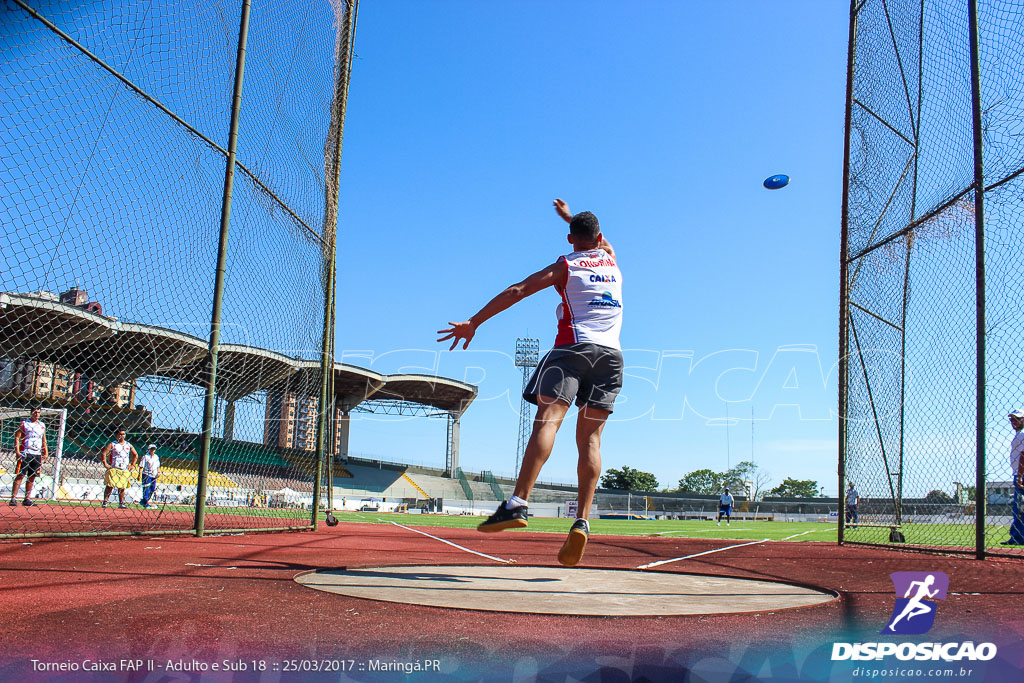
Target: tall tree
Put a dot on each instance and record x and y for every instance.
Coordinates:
(797, 488)
(629, 479)
(746, 478)
(759, 480)
(701, 482)
(938, 496)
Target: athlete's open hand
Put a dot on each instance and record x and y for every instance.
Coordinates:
(464, 330)
(563, 210)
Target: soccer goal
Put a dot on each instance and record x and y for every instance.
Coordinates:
(48, 482)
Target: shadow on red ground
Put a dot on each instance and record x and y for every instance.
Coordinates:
(233, 597)
(46, 518)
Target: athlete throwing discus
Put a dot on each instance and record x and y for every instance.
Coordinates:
(584, 366)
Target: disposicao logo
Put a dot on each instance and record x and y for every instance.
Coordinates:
(914, 614)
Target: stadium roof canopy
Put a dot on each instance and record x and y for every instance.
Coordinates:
(108, 351)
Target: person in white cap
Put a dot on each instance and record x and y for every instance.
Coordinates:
(1017, 467)
(150, 473)
(852, 499)
(725, 502)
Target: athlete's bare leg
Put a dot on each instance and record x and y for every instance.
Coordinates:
(17, 486)
(588, 440)
(589, 425)
(550, 413)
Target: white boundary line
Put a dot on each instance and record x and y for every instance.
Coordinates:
(706, 552)
(812, 531)
(729, 547)
(454, 545)
(694, 531)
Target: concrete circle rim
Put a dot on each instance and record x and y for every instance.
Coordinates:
(823, 596)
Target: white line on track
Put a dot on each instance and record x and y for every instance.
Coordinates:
(812, 531)
(730, 547)
(706, 552)
(454, 545)
(695, 531)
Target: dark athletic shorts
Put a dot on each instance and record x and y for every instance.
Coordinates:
(589, 373)
(29, 464)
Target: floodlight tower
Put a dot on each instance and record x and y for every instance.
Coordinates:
(527, 357)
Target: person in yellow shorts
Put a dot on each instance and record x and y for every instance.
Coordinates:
(119, 457)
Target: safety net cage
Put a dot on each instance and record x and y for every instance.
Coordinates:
(931, 326)
(169, 177)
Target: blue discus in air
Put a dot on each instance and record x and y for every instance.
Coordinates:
(776, 182)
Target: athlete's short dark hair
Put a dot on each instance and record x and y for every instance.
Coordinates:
(584, 225)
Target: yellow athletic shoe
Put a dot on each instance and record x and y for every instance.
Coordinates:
(572, 550)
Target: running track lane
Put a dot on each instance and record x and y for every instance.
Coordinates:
(147, 598)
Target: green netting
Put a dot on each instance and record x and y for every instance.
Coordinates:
(912, 387)
(113, 159)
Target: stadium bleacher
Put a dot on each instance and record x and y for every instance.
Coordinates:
(252, 466)
(379, 481)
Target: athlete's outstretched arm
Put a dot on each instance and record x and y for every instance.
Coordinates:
(552, 275)
(563, 210)
(604, 244)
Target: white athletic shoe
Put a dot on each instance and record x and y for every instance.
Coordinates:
(718, 524)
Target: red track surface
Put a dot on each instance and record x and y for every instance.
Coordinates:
(46, 518)
(145, 598)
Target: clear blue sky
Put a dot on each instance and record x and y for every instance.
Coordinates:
(466, 119)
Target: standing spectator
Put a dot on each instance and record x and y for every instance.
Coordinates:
(725, 507)
(116, 457)
(1017, 467)
(852, 500)
(31, 451)
(150, 473)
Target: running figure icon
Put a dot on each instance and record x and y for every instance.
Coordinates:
(916, 606)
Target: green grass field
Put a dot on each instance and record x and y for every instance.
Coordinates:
(935, 535)
(946, 535)
(739, 530)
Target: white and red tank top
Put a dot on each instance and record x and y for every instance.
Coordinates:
(32, 435)
(120, 454)
(591, 308)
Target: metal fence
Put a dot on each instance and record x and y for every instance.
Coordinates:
(931, 324)
(170, 179)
